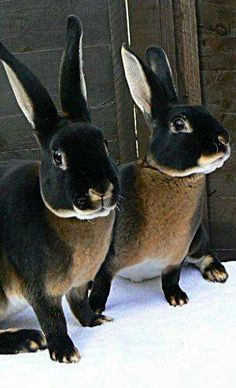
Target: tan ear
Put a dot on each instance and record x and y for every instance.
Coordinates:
(137, 81)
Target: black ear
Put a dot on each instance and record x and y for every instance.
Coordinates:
(145, 87)
(31, 96)
(72, 82)
(159, 63)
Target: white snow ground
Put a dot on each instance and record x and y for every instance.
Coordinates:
(149, 344)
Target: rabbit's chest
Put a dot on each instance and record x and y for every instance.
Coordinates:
(87, 244)
(159, 222)
(86, 262)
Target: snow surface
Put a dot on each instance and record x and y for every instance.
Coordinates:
(149, 344)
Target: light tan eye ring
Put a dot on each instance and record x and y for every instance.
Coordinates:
(59, 158)
(179, 124)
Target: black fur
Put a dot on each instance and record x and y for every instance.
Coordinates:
(71, 71)
(174, 152)
(169, 149)
(170, 285)
(75, 164)
(20, 340)
(102, 284)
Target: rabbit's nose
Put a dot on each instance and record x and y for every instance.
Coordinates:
(224, 139)
(97, 196)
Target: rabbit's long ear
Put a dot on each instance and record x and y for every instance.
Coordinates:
(72, 82)
(145, 88)
(31, 96)
(159, 63)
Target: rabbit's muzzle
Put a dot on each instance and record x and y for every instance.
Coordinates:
(105, 200)
(221, 153)
(97, 203)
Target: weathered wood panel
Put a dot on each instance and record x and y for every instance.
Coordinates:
(217, 42)
(35, 32)
(219, 87)
(217, 32)
(151, 23)
(30, 25)
(187, 51)
(124, 105)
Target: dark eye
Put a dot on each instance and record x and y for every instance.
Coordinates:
(57, 157)
(179, 124)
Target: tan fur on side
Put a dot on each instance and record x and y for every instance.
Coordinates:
(11, 282)
(159, 219)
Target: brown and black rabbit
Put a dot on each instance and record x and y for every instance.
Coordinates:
(47, 246)
(160, 226)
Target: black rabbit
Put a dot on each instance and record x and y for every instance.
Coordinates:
(160, 226)
(47, 246)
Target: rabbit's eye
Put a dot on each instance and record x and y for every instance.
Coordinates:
(179, 124)
(58, 158)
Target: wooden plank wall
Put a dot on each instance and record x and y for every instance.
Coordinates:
(34, 30)
(217, 44)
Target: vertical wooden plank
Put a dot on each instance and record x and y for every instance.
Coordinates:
(124, 105)
(34, 30)
(187, 51)
(151, 23)
(217, 26)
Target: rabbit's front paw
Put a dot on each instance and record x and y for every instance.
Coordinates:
(177, 297)
(64, 352)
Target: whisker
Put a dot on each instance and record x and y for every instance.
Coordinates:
(119, 208)
(217, 149)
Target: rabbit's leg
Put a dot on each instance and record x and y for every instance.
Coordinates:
(170, 285)
(52, 320)
(102, 282)
(79, 304)
(203, 258)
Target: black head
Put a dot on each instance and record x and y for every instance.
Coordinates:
(77, 176)
(185, 139)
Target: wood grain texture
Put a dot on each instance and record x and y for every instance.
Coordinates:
(30, 25)
(35, 32)
(217, 34)
(186, 39)
(219, 88)
(217, 37)
(124, 105)
(151, 23)
(31, 154)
